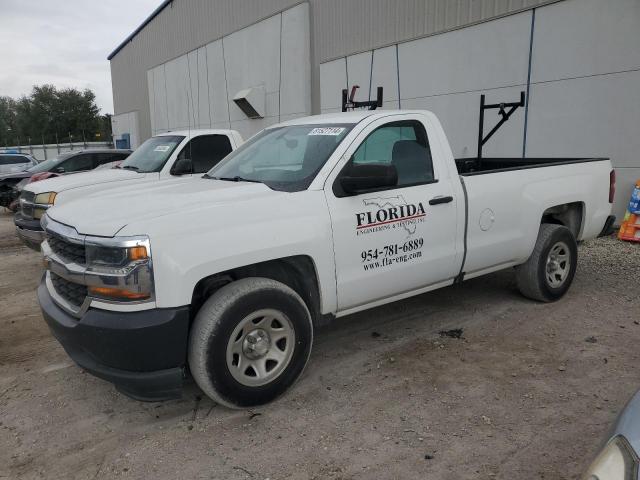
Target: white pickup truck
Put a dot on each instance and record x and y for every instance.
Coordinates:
(172, 155)
(319, 217)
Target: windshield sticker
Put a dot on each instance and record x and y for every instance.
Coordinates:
(162, 148)
(335, 131)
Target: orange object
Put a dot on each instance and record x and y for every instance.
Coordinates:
(117, 293)
(138, 253)
(630, 227)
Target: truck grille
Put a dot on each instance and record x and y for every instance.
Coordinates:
(72, 292)
(72, 252)
(26, 204)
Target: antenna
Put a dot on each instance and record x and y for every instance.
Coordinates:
(348, 102)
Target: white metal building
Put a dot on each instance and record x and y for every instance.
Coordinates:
(578, 60)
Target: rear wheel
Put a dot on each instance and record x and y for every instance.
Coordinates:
(250, 341)
(549, 271)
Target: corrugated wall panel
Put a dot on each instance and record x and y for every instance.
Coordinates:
(334, 79)
(204, 103)
(338, 28)
(295, 75)
(585, 77)
(385, 75)
(181, 27)
(152, 101)
(218, 97)
(342, 28)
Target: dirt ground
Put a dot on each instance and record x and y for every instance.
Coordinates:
(527, 392)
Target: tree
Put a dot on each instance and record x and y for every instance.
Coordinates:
(49, 113)
(8, 122)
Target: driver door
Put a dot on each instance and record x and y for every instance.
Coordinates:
(401, 238)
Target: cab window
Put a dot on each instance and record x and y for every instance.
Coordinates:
(402, 144)
(206, 151)
(78, 163)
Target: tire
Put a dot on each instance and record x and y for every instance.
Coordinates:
(548, 273)
(250, 342)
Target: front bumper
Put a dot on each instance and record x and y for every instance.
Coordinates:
(29, 230)
(143, 353)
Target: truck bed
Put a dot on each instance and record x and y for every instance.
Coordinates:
(477, 166)
(504, 210)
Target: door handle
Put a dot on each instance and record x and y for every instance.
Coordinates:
(439, 200)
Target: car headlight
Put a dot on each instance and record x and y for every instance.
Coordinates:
(99, 256)
(120, 273)
(616, 461)
(46, 198)
(42, 202)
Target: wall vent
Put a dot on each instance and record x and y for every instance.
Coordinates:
(251, 101)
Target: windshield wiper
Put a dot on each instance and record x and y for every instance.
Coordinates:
(130, 167)
(234, 179)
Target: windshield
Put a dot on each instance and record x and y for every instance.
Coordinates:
(284, 158)
(13, 159)
(152, 154)
(50, 164)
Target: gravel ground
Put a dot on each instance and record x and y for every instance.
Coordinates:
(527, 391)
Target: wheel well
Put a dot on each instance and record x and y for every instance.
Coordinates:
(297, 272)
(568, 214)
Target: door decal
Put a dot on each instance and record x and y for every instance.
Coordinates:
(400, 218)
(389, 213)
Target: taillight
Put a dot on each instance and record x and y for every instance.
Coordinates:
(612, 185)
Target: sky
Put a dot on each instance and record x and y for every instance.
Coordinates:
(65, 43)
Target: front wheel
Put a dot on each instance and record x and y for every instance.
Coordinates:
(549, 271)
(250, 341)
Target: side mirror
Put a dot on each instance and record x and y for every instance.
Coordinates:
(59, 170)
(183, 166)
(366, 178)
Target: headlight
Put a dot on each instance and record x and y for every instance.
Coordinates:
(121, 274)
(42, 202)
(616, 461)
(99, 256)
(46, 198)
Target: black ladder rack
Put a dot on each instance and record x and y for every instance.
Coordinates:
(348, 102)
(502, 111)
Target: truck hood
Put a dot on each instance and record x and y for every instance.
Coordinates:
(93, 177)
(109, 212)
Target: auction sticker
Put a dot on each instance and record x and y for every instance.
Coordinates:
(162, 148)
(327, 131)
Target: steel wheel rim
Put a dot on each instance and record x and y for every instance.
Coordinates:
(260, 347)
(558, 264)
